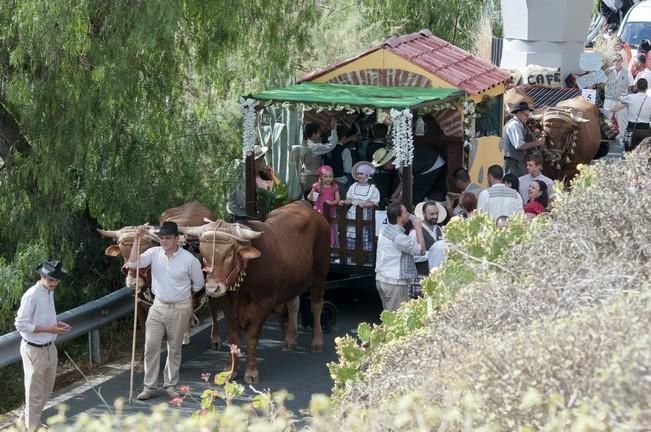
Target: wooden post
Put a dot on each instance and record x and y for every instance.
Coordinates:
(249, 175)
(407, 185)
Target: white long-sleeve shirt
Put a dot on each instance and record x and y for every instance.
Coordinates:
(319, 149)
(172, 279)
(389, 253)
(36, 309)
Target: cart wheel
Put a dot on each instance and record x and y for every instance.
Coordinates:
(328, 316)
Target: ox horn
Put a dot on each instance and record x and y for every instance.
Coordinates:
(579, 118)
(246, 233)
(195, 231)
(536, 116)
(217, 233)
(206, 220)
(114, 234)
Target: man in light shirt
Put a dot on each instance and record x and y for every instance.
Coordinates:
(36, 321)
(499, 199)
(307, 158)
(534, 169)
(462, 182)
(639, 113)
(394, 266)
(619, 81)
(431, 214)
(175, 274)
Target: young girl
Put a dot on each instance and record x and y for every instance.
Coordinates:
(326, 191)
(361, 194)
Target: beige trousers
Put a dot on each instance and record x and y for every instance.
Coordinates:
(170, 321)
(392, 296)
(40, 367)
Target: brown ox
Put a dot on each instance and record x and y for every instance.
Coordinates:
(190, 213)
(573, 136)
(258, 265)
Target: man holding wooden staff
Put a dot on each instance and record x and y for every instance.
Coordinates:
(175, 273)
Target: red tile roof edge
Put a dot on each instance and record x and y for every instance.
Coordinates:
(491, 77)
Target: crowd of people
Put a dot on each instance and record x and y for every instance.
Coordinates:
(334, 173)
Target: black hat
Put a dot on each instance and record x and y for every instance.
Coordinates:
(52, 269)
(520, 106)
(168, 228)
(645, 45)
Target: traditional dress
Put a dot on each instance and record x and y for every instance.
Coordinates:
(357, 193)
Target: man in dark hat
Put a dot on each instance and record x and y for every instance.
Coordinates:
(175, 274)
(513, 143)
(37, 323)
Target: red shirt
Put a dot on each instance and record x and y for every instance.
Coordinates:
(534, 207)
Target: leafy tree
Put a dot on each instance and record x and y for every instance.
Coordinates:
(122, 109)
(448, 19)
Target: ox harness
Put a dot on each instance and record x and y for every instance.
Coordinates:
(560, 156)
(232, 279)
(144, 295)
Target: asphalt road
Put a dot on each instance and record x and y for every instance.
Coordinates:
(301, 372)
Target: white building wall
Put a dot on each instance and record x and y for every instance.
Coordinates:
(545, 32)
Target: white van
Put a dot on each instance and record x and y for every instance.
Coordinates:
(636, 25)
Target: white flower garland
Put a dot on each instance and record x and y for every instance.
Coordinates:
(403, 139)
(469, 115)
(247, 107)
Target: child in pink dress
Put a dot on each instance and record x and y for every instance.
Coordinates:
(326, 191)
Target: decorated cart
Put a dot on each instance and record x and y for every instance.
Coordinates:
(411, 80)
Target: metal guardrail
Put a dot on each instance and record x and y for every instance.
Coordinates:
(85, 319)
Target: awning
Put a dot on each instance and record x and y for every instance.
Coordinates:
(326, 94)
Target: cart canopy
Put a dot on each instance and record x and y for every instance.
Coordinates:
(326, 94)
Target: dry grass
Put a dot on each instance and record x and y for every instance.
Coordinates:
(560, 339)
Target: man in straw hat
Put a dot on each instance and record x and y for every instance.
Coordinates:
(431, 214)
(387, 178)
(175, 275)
(36, 321)
(513, 140)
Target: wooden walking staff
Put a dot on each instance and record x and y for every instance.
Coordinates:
(135, 315)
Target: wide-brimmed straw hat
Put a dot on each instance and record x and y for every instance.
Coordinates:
(52, 269)
(382, 156)
(418, 211)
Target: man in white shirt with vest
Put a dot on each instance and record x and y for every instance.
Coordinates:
(175, 274)
(394, 267)
(36, 321)
(499, 199)
(513, 143)
(619, 81)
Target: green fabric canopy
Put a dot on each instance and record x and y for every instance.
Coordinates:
(358, 95)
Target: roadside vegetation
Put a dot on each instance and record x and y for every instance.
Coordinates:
(534, 327)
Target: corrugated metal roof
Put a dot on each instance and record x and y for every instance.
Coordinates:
(544, 96)
(440, 58)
